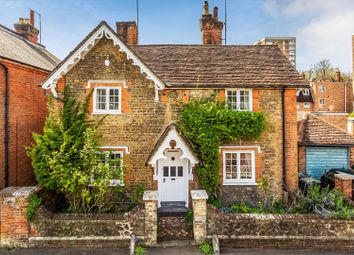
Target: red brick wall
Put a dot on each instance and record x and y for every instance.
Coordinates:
(302, 159)
(344, 185)
(291, 140)
(27, 111)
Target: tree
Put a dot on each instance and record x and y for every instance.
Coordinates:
(324, 70)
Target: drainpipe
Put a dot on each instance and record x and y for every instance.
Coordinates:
(284, 140)
(6, 164)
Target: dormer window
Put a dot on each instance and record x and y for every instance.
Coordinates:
(239, 99)
(306, 92)
(107, 100)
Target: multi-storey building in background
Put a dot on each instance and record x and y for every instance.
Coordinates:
(286, 44)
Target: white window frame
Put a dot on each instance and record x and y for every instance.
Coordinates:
(322, 88)
(322, 102)
(107, 111)
(238, 98)
(240, 181)
(306, 105)
(306, 92)
(115, 182)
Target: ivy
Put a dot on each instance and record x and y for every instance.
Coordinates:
(209, 124)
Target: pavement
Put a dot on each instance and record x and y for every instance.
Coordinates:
(189, 250)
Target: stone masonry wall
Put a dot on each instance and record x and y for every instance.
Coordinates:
(269, 230)
(141, 125)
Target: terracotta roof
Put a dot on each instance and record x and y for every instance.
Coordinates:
(15, 47)
(315, 131)
(220, 66)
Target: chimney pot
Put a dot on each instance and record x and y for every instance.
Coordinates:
(337, 76)
(32, 17)
(206, 8)
(127, 32)
(215, 14)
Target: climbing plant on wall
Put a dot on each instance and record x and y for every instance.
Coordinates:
(209, 124)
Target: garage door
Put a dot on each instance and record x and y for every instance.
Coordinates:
(320, 159)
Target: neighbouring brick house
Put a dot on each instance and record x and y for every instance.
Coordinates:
(24, 64)
(142, 88)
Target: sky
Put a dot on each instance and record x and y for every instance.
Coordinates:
(323, 28)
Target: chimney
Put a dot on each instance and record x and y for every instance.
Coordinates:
(337, 76)
(25, 27)
(127, 32)
(210, 26)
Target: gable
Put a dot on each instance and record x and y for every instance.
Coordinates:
(101, 31)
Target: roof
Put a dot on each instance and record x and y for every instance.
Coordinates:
(315, 131)
(14, 47)
(220, 66)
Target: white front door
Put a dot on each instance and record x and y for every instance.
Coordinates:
(173, 178)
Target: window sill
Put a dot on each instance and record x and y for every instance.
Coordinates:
(239, 183)
(106, 113)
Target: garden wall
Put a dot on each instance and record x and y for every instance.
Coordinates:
(271, 230)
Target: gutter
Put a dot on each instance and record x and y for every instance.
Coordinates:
(284, 140)
(6, 163)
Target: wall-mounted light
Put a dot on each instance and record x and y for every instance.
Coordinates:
(107, 62)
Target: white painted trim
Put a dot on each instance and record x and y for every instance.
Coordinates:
(126, 148)
(107, 111)
(89, 82)
(238, 98)
(240, 181)
(258, 147)
(103, 31)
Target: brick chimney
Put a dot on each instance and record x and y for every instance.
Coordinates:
(337, 76)
(25, 27)
(210, 26)
(127, 32)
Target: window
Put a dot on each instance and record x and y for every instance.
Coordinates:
(239, 100)
(115, 161)
(322, 101)
(307, 105)
(107, 100)
(322, 88)
(239, 167)
(306, 92)
(173, 171)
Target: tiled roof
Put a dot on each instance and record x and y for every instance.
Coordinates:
(220, 66)
(315, 131)
(15, 47)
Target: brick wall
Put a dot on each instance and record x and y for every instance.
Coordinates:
(302, 159)
(27, 111)
(344, 183)
(141, 126)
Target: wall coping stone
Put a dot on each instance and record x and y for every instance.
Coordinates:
(345, 176)
(199, 194)
(18, 191)
(151, 195)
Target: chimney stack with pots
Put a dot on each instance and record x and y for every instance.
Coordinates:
(210, 26)
(337, 76)
(127, 32)
(25, 27)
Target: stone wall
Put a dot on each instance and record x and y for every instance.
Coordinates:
(173, 228)
(271, 230)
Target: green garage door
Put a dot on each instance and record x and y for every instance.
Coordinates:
(320, 159)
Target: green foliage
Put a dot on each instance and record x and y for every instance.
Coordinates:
(65, 159)
(139, 250)
(208, 124)
(215, 201)
(276, 208)
(34, 202)
(206, 248)
(189, 218)
(321, 201)
(137, 194)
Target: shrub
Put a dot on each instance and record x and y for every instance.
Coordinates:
(137, 194)
(208, 124)
(215, 201)
(139, 250)
(33, 204)
(206, 248)
(189, 218)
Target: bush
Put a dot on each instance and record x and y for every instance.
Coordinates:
(189, 218)
(139, 250)
(206, 248)
(215, 201)
(33, 204)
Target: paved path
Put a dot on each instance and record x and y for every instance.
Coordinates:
(169, 251)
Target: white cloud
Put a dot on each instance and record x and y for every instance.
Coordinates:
(326, 32)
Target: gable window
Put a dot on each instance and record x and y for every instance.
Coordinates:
(322, 88)
(114, 160)
(239, 99)
(322, 101)
(107, 100)
(239, 167)
(307, 105)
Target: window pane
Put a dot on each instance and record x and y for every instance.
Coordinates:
(231, 166)
(114, 99)
(180, 171)
(244, 100)
(232, 99)
(165, 171)
(100, 99)
(173, 171)
(246, 165)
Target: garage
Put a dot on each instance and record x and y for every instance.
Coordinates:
(320, 159)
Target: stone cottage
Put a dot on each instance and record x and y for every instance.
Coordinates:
(141, 89)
